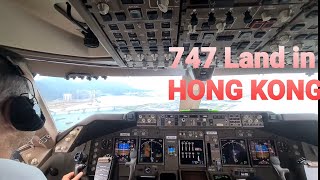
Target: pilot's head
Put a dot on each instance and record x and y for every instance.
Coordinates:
(13, 106)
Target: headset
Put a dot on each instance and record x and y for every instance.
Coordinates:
(20, 110)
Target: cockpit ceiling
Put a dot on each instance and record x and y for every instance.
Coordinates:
(36, 26)
(137, 34)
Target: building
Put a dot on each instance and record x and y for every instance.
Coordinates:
(67, 97)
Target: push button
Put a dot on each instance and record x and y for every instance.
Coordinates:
(135, 13)
(121, 16)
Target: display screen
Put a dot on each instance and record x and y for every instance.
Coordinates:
(221, 177)
(191, 152)
(171, 151)
(123, 148)
(151, 150)
(193, 175)
(234, 152)
(260, 151)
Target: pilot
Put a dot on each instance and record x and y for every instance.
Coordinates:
(15, 133)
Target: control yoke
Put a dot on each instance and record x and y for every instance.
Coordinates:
(132, 163)
(276, 165)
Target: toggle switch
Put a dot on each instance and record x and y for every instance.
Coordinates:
(140, 57)
(154, 57)
(127, 57)
(247, 17)
(220, 26)
(284, 15)
(229, 18)
(167, 57)
(265, 16)
(163, 5)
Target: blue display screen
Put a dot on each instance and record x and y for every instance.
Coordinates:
(171, 150)
(124, 146)
(263, 148)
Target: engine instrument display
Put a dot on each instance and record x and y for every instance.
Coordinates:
(151, 150)
(234, 152)
(123, 148)
(260, 151)
(191, 152)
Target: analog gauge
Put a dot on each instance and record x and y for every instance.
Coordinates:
(151, 150)
(234, 152)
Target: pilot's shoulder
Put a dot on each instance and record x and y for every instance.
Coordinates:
(11, 169)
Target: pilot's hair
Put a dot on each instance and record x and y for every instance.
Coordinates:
(10, 83)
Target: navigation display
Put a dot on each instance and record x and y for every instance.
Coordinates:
(191, 152)
(151, 150)
(234, 152)
(260, 151)
(123, 148)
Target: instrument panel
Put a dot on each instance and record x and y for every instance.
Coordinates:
(238, 148)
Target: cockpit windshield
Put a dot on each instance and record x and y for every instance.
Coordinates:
(70, 101)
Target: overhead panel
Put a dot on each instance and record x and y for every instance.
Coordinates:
(141, 31)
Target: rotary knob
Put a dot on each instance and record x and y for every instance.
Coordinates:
(147, 170)
(194, 19)
(247, 17)
(211, 19)
(229, 18)
(103, 8)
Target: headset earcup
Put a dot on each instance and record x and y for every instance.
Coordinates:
(22, 115)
